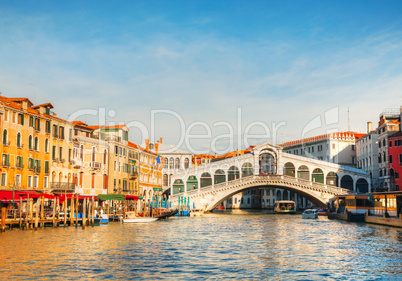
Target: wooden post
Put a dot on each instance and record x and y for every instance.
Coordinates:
(31, 217)
(72, 211)
(20, 211)
(108, 211)
(65, 211)
(42, 213)
(83, 213)
(76, 211)
(58, 209)
(93, 211)
(3, 219)
(37, 214)
(53, 211)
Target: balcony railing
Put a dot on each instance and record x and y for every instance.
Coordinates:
(133, 175)
(95, 165)
(62, 186)
(6, 143)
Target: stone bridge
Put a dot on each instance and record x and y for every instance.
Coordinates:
(266, 166)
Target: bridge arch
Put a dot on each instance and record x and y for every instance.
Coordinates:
(219, 176)
(206, 180)
(317, 175)
(289, 169)
(347, 182)
(246, 170)
(332, 179)
(362, 186)
(178, 186)
(233, 173)
(303, 172)
(268, 162)
(192, 182)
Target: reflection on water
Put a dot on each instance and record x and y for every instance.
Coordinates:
(237, 244)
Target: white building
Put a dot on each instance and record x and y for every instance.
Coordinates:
(339, 148)
(367, 154)
(388, 125)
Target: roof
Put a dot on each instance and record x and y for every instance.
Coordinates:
(95, 127)
(131, 144)
(396, 135)
(339, 135)
(43, 105)
(21, 100)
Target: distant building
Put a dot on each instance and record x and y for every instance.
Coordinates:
(395, 161)
(388, 125)
(337, 148)
(367, 154)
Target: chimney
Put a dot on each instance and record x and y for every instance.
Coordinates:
(24, 105)
(156, 148)
(160, 140)
(216, 154)
(369, 127)
(147, 144)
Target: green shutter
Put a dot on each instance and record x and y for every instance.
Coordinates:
(7, 160)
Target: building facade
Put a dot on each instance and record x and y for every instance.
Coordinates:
(395, 161)
(339, 148)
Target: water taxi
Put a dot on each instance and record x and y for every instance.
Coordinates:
(310, 214)
(285, 207)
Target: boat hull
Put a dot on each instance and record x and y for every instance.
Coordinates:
(139, 220)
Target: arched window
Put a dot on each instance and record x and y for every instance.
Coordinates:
(82, 153)
(186, 163)
(177, 163)
(105, 157)
(19, 140)
(166, 162)
(165, 180)
(171, 163)
(36, 144)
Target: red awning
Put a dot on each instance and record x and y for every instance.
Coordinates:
(132, 197)
(38, 195)
(7, 195)
(62, 197)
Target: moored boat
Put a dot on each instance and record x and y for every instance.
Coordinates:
(196, 213)
(131, 217)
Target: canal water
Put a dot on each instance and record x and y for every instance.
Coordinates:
(238, 245)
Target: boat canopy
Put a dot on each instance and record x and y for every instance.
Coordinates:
(120, 197)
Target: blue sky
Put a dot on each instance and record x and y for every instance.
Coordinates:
(279, 61)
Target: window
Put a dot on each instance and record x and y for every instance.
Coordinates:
(54, 152)
(48, 127)
(5, 139)
(397, 175)
(19, 140)
(104, 157)
(55, 135)
(18, 180)
(29, 181)
(333, 146)
(390, 143)
(46, 167)
(35, 183)
(31, 121)
(31, 164)
(390, 159)
(353, 147)
(186, 163)
(61, 132)
(70, 134)
(69, 155)
(19, 162)
(47, 145)
(400, 158)
(37, 124)
(5, 161)
(21, 119)
(36, 144)
(3, 179)
(383, 142)
(30, 142)
(45, 182)
(60, 153)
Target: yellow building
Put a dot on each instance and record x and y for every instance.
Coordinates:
(150, 177)
(90, 161)
(25, 145)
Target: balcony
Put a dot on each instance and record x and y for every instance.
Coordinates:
(133, 175)
(95, 165)
(6, 143)
(21, 146)
(64, 186)
(77, 163)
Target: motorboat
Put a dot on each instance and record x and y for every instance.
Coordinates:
(310, 214)
(322, 212)
(196, 213)
(131, 217)
(285, 207)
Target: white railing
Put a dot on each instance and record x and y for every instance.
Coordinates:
(257, 178)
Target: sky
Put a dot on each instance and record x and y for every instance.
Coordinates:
(222, 70)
